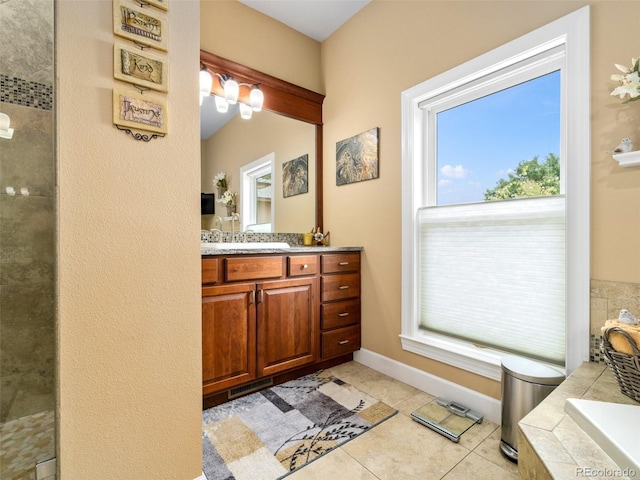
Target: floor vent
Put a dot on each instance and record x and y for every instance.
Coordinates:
(236, 392)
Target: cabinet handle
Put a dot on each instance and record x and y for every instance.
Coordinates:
(305, 266)
(253, 297)
(343, 314)
(343, 342)
(260, 296)
(343, 287)
(343, 264)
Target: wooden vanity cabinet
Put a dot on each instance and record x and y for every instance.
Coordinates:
(287, 325)
(340, 308)
(228, 336)
(261, 315)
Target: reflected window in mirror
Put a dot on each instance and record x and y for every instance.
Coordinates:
(257, 192)
(289, 125)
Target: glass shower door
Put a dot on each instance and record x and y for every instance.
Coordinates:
(27, 253)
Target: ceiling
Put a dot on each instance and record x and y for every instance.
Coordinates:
(314, 18)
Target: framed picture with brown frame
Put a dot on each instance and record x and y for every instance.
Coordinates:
(141, 112)
(140, 67)
(145, 26)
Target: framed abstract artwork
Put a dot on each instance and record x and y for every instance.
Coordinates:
(357, 158)
(295, 176)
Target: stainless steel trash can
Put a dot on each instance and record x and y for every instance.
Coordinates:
(525, 384)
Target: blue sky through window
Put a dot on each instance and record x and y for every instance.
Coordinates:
(481, 141)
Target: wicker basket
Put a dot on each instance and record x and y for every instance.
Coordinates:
(626, 368)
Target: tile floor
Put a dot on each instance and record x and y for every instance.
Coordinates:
(24, 442)
(401, 449)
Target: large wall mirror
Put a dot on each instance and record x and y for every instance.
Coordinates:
(272, 160)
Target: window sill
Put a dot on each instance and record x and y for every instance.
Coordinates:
(457, 353)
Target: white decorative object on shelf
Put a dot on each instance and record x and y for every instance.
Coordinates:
(629, 159)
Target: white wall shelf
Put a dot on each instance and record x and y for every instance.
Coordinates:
(629, 159)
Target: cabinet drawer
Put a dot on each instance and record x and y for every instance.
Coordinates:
(340, 314)
(340, 287)
(340, 341)
(253, 268)
(302, 265)
(210, 270)
(341, 262)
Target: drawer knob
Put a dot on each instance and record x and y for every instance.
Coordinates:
(343, 264)
(345, 314)
(343, 342)
(305, 266)
(343, 287)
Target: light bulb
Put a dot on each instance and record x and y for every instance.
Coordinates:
(256, 98)
(245, 111)
(221, 104)
(231, 90)
(206, 82)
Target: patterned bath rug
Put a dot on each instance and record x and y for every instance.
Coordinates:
(270, 434)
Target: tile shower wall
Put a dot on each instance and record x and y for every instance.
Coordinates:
(27, 265)
(607, 299)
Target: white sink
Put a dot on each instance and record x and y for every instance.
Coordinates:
(244, 246)
(613, 426)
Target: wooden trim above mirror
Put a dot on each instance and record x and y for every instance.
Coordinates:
(280, 97)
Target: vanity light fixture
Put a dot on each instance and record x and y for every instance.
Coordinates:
(231, 90)
(245, 111)
(256, 98)
(5, 130)
(206, 82)
(221, 104)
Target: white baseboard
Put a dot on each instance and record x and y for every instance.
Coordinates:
(201, 477)
(487, 406)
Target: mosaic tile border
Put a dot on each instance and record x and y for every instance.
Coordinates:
(594, 349)
(23, 92)
(290, 238)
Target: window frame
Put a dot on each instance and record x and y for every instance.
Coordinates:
(248, 194)
(571, 33)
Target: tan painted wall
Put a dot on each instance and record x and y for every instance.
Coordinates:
(243, 141)
(390, 46)
(129, 332)
(615, 191)
(129, 315)
(236, 32)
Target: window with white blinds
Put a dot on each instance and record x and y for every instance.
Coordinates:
(483, 278)
(494, 274)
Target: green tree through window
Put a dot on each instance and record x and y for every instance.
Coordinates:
(530, 179)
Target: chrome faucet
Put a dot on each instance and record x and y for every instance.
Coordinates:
(244, 235)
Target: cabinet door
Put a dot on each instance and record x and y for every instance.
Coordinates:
(288, 334)
(228, 336)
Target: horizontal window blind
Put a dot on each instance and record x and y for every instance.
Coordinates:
(494, 274)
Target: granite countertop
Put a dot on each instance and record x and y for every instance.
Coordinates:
(558, 444)
(294, 249)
